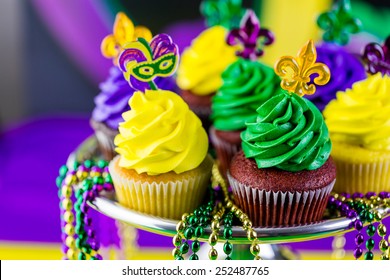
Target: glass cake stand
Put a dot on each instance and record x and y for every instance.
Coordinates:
(107, 205)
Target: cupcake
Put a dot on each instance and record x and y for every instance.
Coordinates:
(110, 104)
(162, 168)
(345, 67)
(283, 175)
(247, 83)
(112, 101)
(359, 126)
(200, 69)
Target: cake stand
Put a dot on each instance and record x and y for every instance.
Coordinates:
(107, 205)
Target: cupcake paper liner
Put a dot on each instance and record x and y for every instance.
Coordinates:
(163, 199)
(105, 137)
(362, 177)
(225, 150)
(276, 208)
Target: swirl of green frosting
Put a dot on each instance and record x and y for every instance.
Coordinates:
(246, 85)
(289, 133)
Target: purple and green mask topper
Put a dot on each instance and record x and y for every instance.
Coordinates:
(142, 62)
(250, 36)
(339, 23)
(377, 57)
(227, 13)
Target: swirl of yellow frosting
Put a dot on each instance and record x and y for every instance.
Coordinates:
(204, 61)
(361, 115)
(160, 134)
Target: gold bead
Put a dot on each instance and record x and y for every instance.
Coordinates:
(213, 239)
(66, 204)
(377, 216)
(338, 242)
(255, 249)
(383, 245)
(243, 217)
(176, 252)
(184, 216)
(251, 234)
(385, 257)
(81, 175)
(71, 254)
(180, 226)
(216, 217)
(381, 230)
(342, 198)
(257, 258)
(66, 191)
(69, 229)
(229, 204)
(70, 242)
(70, 179)
(213, 254)
(215, 225)
(238, 212)
(68, 217)
(247, 223)
(233, 208)
(176, 240)
(336, 195)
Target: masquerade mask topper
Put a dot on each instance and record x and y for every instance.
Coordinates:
(296, 72)
(222, 12)
(143, 62)
(339, 23)
(377, 57)
(251, 36)
(123, 32)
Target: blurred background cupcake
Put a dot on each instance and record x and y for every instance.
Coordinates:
(202, 63)
(284, 174)
(247, 83)
(346, 67)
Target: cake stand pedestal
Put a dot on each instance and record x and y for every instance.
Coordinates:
(107, 205)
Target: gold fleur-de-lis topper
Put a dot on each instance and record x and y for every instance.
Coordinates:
(124, 32)
(297, 72)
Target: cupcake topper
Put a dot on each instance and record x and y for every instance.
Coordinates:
(251, 36)
(339, 23)
(143, 62)
(123, 32)
(296, 72)
(222, 12)
(377, 57)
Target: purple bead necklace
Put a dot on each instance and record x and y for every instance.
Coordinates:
(362, 209)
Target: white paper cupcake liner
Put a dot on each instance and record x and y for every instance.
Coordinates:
(164, 199)
(276, 208)
(225, 150)
(363, 177)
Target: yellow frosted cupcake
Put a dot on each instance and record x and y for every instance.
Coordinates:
(359, 125)
(199, 73)
(163, 168)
